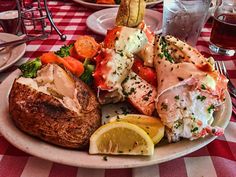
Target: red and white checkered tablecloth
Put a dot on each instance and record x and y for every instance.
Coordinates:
(216, 159)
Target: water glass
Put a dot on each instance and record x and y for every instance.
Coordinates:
(184, 19)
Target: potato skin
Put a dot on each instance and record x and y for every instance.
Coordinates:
(45, 117)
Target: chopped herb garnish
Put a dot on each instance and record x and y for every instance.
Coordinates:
(124, 110)
(146, 98)
(105, 158)
(132, 90)
(177, 125)
(180, 78)
(212, 107)
(177, 97)
(194, 129)
(199, 97)
(164, 49)
(203, 87)
(160, 55)
(164, 106)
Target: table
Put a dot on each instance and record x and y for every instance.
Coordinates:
(216, 159)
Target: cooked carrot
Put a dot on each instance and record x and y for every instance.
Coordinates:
(86, 47)
(49, 57)
(105, 1)
(73, 53)
(75, 66)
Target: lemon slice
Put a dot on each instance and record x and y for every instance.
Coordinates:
(119, 138)
(152, 125)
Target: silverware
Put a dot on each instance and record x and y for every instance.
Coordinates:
(3, 45)
(220, 66)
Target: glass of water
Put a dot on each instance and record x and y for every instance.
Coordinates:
(184, 19)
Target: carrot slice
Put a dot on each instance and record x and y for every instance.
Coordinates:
(105, 1)
(49, 57)
(73, 53)
(75, 66)
(86, 47)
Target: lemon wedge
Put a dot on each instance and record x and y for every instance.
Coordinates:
(119, 138)
(152, 125)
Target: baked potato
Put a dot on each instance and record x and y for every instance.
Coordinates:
(55, 107)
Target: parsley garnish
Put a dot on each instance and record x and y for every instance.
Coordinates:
(164, 49)
(180, 78)
(164, 106)
(212, 107)
(194, 129)
(105, 158)
(199, 97)
(177, 97)
(203, 87)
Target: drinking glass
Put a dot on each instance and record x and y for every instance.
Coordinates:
(9, 21)
(223, 34)
(184, 19)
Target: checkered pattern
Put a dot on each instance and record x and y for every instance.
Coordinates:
(216, 159)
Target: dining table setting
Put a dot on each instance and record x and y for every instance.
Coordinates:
(85, 39)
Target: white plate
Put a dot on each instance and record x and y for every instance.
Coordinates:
(100, 21)
(162, 153)
(102, 6)
(13, 54)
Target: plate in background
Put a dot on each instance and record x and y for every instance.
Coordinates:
(10, 55)
(100, 21)
(102, 6)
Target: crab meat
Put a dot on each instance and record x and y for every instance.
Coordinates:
(111, 70)
(190, 93)
(140, 93)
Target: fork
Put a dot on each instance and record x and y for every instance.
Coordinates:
(220, 66)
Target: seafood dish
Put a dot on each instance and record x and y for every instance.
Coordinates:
(172, 88)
